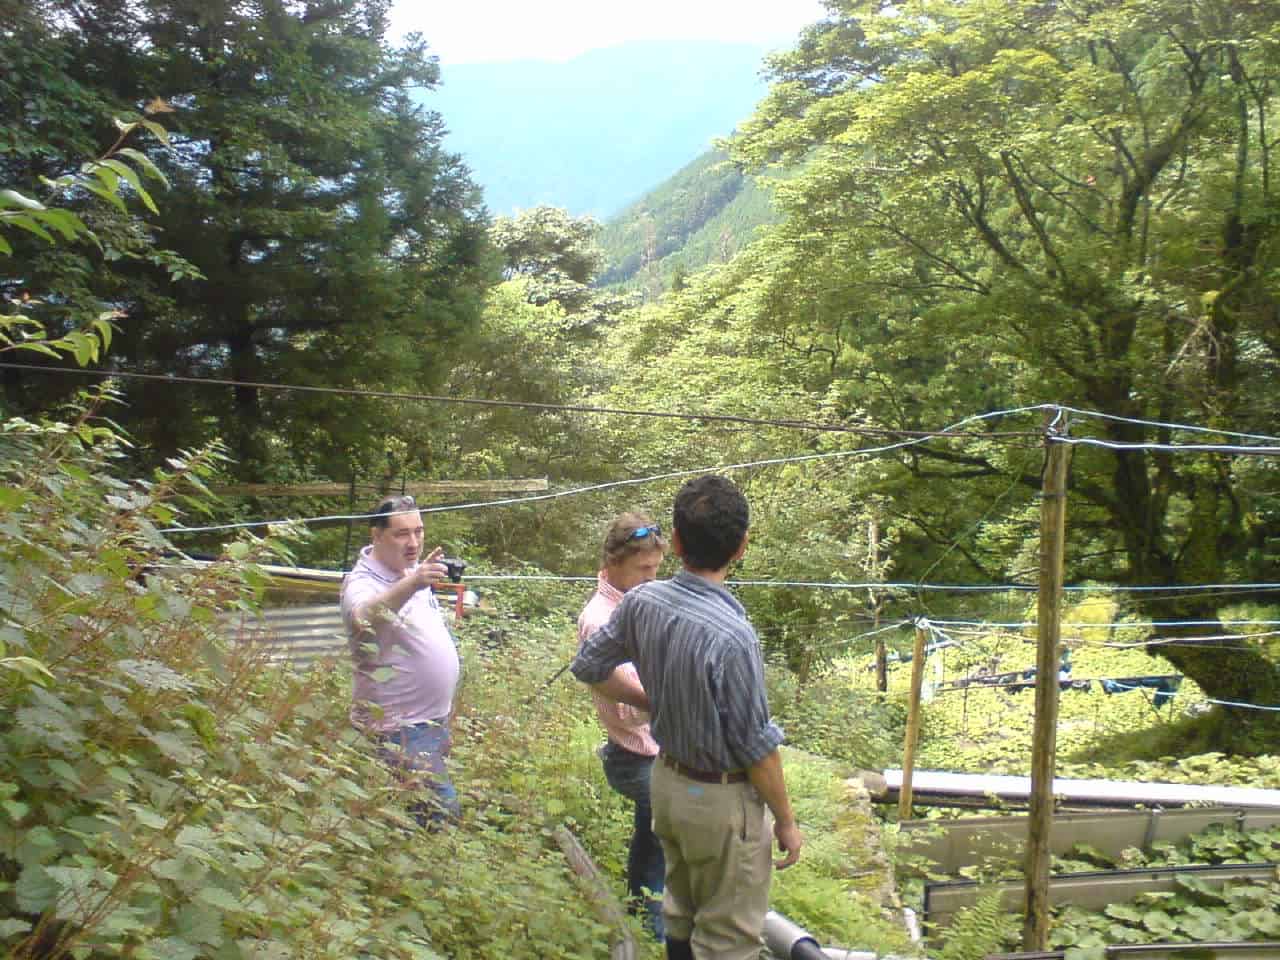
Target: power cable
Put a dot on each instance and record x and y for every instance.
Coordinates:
(1171, 426)
(517, 404)
(1169, 447)
(675, 474)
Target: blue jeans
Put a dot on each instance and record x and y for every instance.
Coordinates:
(628, 774)
(421, 749)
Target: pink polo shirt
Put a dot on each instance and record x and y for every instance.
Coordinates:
(625, 725)
(413, 643)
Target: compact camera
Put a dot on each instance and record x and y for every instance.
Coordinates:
(455, 568)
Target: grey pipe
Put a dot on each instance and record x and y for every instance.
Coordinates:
(791, 942)
(785, 939)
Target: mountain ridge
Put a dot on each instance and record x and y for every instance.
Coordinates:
(596, 132)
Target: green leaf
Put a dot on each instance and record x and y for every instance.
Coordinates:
(35, 891)
(1123, 911)
(12, 198)
(158, 131)
(171, 948)
(65, 222)
(1266, 922)
(104, 328)
(1159, 923)
(200, 923)
(219, 898)
(29, 224)
(12, 926)
(109, 195)
(30, 668)
(143, 161)
(1085, 953)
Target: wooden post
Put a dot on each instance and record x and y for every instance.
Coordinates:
(913, 725)
(1053, 516)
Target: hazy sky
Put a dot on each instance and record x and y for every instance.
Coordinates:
(470, 31)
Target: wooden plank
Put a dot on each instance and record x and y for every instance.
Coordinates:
(1092, 891)
(414, 488)
(597, 892)
(953, 844)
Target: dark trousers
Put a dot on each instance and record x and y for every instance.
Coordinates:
(628, 774)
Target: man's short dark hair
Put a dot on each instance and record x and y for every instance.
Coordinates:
(400, 503)
(711, 518)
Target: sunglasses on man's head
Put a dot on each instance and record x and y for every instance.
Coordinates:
(639, 533)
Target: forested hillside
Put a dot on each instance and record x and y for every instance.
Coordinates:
(593, 133)
(704, 214)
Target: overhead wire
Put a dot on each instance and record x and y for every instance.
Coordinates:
(1170, 426)
(1169, 447)
(361, 392)
(947, 432)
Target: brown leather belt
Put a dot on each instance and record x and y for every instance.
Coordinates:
(704, 776)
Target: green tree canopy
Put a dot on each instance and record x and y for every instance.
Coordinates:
(341, 243)
(1008, 202)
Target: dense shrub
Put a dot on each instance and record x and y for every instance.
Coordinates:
(164, 794)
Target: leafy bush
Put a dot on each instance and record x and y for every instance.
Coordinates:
(164, 795)
(1196, 912)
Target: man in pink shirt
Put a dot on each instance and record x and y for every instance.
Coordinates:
(633, 551)
(406, 665)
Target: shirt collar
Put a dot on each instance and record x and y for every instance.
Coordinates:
(607, 589)
(699, 584)
(376, 566)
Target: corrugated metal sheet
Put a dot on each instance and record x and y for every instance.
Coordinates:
(299, 635)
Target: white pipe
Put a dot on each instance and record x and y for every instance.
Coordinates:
(1111, 792)
(913, 924)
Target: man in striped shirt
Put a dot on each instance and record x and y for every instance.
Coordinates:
(701, 677)
(633, 551)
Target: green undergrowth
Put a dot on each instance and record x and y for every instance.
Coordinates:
(982, 729)
(164, 795)
(1198, 909)
(523, 736)
(837, 890)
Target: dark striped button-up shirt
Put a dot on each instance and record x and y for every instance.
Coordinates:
(699, 661)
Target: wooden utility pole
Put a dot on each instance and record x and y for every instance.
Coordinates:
(913, 725)
(1044, 744)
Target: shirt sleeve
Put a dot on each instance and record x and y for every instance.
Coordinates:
(356, 591)
(604, 649)
(750, 734)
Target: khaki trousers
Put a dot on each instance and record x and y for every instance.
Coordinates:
(717, 842)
